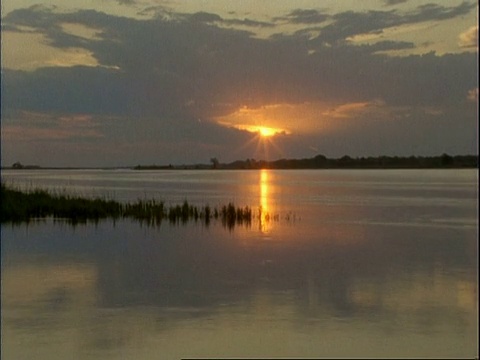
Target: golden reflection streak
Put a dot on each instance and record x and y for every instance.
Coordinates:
(264, 212)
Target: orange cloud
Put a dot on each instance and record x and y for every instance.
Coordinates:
(311, 117)
(469, 38)
(345, 111)
(473, 95)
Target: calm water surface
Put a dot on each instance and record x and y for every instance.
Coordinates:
(349, 264)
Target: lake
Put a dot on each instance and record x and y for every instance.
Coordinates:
(341, 263)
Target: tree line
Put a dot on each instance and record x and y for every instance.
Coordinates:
(347, 162)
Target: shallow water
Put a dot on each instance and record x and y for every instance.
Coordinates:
(349, 264)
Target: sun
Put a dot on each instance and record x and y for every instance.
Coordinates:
(266, 131)
(262, 132)
(264, 137)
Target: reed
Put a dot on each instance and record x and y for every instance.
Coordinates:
(20, 206)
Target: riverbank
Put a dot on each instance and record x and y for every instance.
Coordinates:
(443, 161)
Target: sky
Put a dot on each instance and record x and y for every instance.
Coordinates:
(94, 83)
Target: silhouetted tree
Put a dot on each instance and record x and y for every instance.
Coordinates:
(446, 160)
(214, 162)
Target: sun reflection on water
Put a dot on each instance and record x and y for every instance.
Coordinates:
(265, 207)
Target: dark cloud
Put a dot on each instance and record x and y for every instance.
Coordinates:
(205, 17)
(248, 22)
(162, 65)
(393, 2)
(350, 23)
(34, 17)
(210, 18)
(389, 45)
(302, 16)
(430, 12)
(77, 89)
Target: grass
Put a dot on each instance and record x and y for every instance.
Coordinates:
(23, 206)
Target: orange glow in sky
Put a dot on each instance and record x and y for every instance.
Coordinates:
(267, 120)
(264, 131)
(285, 119)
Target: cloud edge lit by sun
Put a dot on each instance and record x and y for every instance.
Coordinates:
(263, 131)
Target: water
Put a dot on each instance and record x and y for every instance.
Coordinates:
(354, 264)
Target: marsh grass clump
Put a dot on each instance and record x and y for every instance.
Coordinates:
(231, 215)
(150, 210)
(18, 206)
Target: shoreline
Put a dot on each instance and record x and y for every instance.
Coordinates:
(318, 162)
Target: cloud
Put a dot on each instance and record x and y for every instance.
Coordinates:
(473, 95)
(33, 126)
(157, 66)
(249, 22)
(350, 23)
(304, 16)
(164, 81)
(388, 46)
(346, 111)
(432, 11)
(469, 38)
(205, 17)
(393, 2)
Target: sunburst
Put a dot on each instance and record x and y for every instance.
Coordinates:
(264, 139)
(266, 131)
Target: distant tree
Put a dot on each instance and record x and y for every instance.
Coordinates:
(446, 160)
(319, 161)
(17, 165)
(345, 160)
(214, 162)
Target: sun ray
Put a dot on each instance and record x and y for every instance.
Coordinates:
(275, 146)
(263, 139)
